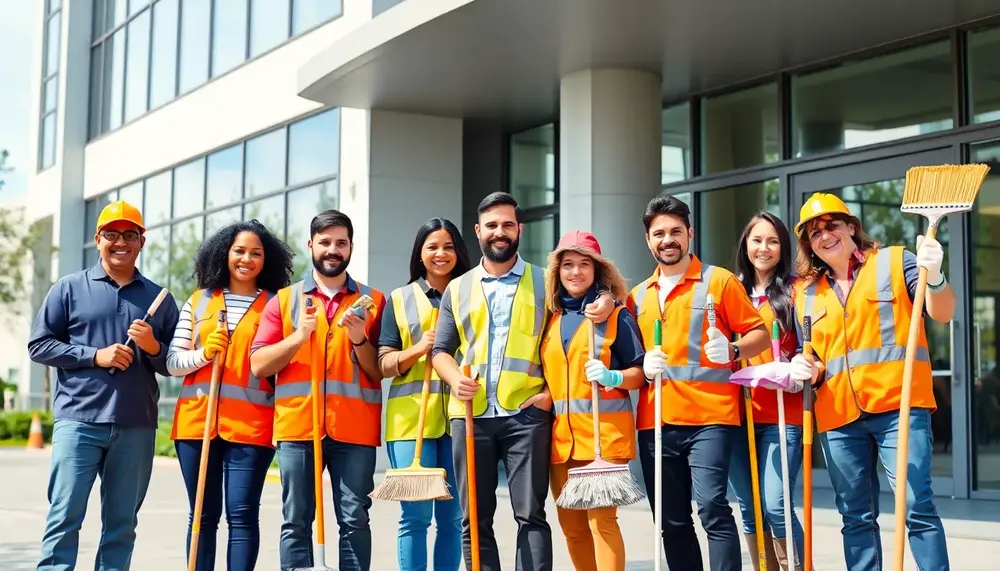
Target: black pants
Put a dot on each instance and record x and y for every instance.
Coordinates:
(523, 443)
(695, 463)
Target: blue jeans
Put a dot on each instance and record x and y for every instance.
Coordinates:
(416, 516)
(851, 452)
(352, 475)
(124, 459)
(772, 486)
(240, 470)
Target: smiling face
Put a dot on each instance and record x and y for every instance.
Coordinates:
(576, 272)
(119, 244)
(499, 233)
(669, 240)
(331, 251)
(831, 239)
(438, 254)
(246, 257)
(763, 247)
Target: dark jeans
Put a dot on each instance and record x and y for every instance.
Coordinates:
(695, 464)
(352, 475)
(236, 471)
(522, 442)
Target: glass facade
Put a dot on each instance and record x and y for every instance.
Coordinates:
(52, 41)
(146, 53)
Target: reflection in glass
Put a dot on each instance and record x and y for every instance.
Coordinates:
(189, 188)
(114, 80)
(52, 41)
(265, 163)
(229, 35)
(984, 50)
(873, 100)
(155, 256)
(675, 153)
(48, 157)
(222, 218)
(185, 240)
(538, 239)
(132, 194)
(157, 207)
(194, 42)
(740, 129)
(225, 177)
(268, 24)
(92, 211)
(309, 13)
(269, 211)
(533, 166)
(163, 78)
(723, 213)
(303, 205)
(137, 72)
(314, 147)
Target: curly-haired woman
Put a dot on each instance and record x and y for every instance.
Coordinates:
(237, 270)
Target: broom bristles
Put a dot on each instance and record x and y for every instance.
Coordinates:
(603, 488)
(948, 187)
(412, 485)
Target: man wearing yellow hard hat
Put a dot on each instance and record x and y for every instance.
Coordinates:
(91, 323)
(859, 295)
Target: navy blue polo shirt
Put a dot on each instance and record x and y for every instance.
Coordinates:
(86, 311)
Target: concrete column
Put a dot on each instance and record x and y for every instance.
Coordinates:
(609, 162)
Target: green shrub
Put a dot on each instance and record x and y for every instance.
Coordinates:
(17, 425)
(164, 445)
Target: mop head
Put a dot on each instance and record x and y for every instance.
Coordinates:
(599, 485)
(414, 484)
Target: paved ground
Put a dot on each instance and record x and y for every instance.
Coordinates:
(973, 528)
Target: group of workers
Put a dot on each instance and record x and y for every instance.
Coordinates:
(511, 338)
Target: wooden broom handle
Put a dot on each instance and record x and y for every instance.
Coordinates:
(470, 477)
(318, 432)
(425, 394)
(595, 396)
(206, 444)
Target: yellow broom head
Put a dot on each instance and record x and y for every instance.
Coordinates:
(936, 191)
(413, 484)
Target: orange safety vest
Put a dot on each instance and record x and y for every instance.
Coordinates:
(352, 402)
(765, 401)
(863, 345)
(572, 402)
(696, 392)
(245, 413)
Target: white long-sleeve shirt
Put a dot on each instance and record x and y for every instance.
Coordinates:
(182, 358)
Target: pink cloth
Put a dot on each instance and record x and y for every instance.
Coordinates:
(773, 375)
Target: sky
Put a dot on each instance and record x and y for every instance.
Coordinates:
(17, 44)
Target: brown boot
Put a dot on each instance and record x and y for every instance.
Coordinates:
(782, 555)
(770, 558)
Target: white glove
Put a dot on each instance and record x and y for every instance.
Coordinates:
(717, 347)
(800, 371)
(930, 255)
(654, 363)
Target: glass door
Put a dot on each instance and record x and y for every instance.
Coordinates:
(874, 192)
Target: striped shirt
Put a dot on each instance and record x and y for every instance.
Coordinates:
(182, 360)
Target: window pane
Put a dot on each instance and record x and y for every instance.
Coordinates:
(675, 153)
(98, 19)
(723, 213)
(157, 207)
(303, 205)
(90, 257)
(533, 166)
(52, 42)
(229, 35)
(309, 13)
(195, 33)
(114, 14)
(314, 147)
(189, 188)
(137, 76)
(163, 84)
(538, 239)
(219, 220)
(740, 129)
(114, 81)
(184, 242)
(132, 194)
(984, 51)
(872, 101)
(268, 24)
(265, 164)
(155, 257)
(92, 211)
(48, 157)
(96, 62)
(51, 94)
(270, 212)
(225, 177)
(136, 5)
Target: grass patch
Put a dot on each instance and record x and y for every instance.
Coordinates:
(13, 443)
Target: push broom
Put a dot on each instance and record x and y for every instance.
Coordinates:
(932, 192)
(599, 484)
(416, 483)
(790, 552)
(807, 446)
(206, 444)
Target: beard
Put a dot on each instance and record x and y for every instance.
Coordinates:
(669, 259)
(499, 250)
(331, 271)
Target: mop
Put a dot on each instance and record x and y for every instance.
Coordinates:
(658, 458)
(807, 445)
(470, 477)
(932, 192)
(416, 483)
(206, 443)
(149, 315)
(599, 484)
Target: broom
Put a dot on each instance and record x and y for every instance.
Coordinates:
(783, 452)
(416, 483)
(807, 446)
(206, 444)
(932, 192)
(599, 484)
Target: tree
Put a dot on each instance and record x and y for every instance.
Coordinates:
(17, 244)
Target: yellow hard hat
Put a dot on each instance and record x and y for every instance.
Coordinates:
(120, 211)
(817, 205)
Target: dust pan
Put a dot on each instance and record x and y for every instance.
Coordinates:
(599, 484)
(416, 483)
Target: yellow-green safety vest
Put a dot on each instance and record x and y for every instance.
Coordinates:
(521, 373)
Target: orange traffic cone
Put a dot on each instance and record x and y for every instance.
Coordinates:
(35, 434)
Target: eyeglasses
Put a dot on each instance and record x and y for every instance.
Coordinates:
(113, 235)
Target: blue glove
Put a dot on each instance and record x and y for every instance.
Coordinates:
(597, 372)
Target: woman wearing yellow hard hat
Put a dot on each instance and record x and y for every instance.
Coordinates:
(859, 295)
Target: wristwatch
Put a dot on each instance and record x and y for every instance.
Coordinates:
(736, 351)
